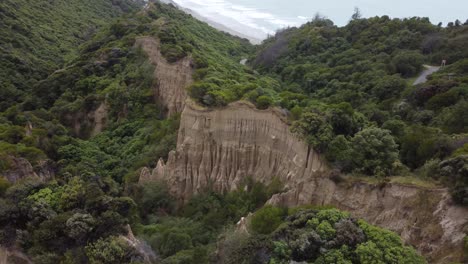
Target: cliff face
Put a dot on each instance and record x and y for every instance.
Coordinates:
(425, 218)
(21, 168)
(171, 79)
(220, 148)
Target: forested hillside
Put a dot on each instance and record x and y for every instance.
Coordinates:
(350, 90)
(38, 37)
(79, 118)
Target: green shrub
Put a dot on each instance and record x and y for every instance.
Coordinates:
(461, 151)
(326, 230)
(314, 129)
(4, 185)
(263, 102)
(267, 219)
(374, 151)
(110, 250)
(408, 63)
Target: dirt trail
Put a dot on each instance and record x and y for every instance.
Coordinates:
(423, 76)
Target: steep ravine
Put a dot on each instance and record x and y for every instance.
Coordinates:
(218, 148)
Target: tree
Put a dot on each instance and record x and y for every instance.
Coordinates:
(420, 144)
(110, 250)
(339, 152)
(454, 173)
(408, 63)
(263, 102)
(389, 87)
(397, 128)
(267, 219)
(155, 196)
(344, 120)
(79, 226)
(314, 129)
(175, 241)
(369, 253)
(374, 151)
(455, 118)
(357, 14)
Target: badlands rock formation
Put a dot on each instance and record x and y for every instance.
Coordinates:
(425, 218)
(21, 168)
(171, 79)
(220, 148)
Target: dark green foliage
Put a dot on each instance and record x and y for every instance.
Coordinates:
(455, 173)
(194, 228)
(338, 84)
(374, 151)
(353, 78)
(389, 87)
(110, 250)
(324, 236)
(263, 102)
(421, 144)
(37, 37)
(267, 219)
(154, 198)
(408, 63)
(59, 216)
(314, 128)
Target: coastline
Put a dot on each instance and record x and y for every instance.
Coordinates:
(215, 24)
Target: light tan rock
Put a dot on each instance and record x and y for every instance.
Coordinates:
(99, 116)
(220, 148)
(425, 218)
(144, 250)
(21, 168)
(171, 79)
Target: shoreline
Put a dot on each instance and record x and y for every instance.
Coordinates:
(215, 24)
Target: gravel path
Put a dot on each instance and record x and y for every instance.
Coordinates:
(428, 71)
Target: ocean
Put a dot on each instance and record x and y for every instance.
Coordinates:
(256, 19)
(260, 18)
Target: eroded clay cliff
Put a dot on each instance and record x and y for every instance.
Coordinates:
(425, 218)
(21, 168)
(171, 79)
(218, 148)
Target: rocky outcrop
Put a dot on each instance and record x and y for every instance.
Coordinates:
(220, 148)
(144, 250)
(21, 168)
(99, 117)
(171, 79)
(425, 218)
(12, 255)
(86, 124)
(217, 149)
